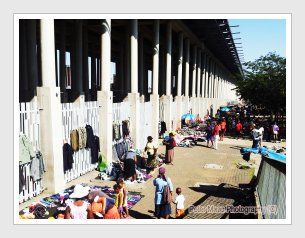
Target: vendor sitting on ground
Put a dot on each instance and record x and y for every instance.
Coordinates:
(102, 205)
(79, 209)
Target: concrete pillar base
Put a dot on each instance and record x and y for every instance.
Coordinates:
(51, 137)
(186, 104)
(154, 99)
(193, 103)
(167, 105)
(177, 117)
(105, 99)
(134, 103)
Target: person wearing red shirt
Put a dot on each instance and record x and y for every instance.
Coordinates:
(223, 129)
(216, 131)
(238, 129)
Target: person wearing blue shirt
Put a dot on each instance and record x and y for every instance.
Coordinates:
(162, 210)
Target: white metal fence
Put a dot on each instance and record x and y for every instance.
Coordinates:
(29, 126)
(75, 116)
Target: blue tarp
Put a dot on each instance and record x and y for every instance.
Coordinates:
(265, 152)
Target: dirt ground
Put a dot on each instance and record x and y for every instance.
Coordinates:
(188, 172)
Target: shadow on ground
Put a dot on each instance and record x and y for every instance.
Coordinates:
(219, 196)
(138, 215)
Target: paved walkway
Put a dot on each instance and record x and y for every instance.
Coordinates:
(200, 186)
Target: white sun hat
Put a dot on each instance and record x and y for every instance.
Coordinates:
(80, 191)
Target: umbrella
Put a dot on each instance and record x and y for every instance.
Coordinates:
(188, 117)
(224, 109)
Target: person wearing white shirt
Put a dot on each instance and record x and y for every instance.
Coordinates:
(179, 201)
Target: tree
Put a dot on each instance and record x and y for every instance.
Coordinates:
(264, 84)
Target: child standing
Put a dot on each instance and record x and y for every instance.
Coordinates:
(118, 199)
(123, 190)
(179, 201)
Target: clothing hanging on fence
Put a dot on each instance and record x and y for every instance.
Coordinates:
(67, 157)
(125, 128)
(95, 149)
(163, 127)
(115, 157)
(90, 137)
(26, 152)
(74, 140)
(37, 168)
(82, 140)
(21, 178)
(116, 131)
(121, 149)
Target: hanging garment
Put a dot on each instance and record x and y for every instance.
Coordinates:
(120, 150)
(125, 128)
(67, 157)
(26, 152)
(82, 140)
(21, 178)
(37, 168)
(115, 157)
(90, 137)
(95, 149)
(74, 140)
(116, 131)
(163, 127)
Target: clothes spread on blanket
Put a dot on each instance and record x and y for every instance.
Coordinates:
(53, 207)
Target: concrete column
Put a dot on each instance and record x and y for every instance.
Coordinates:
(154, 97)
(169, 59)
(133, 97)
(197, 106)
(48, 97)
(178, 99)
(105, 97)
(193, 98)
(167, 100)
(202, 108)
(134, 56)
(206, 89)
(186, 100)
(180, 45)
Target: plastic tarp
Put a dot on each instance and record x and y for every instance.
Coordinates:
(265, 152)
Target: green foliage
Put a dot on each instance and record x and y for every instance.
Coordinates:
(264, 85)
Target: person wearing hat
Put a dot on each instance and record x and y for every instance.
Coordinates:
(162, 210)
(130, 165)
(151, 149)
(79, 209)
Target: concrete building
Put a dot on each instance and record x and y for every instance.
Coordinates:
(162, 68)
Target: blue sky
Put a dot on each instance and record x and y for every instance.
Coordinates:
(260, 36)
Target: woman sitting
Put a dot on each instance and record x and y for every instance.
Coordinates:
(79, 209)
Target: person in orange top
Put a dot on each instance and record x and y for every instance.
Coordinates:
(222, 132)
(238, 129)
